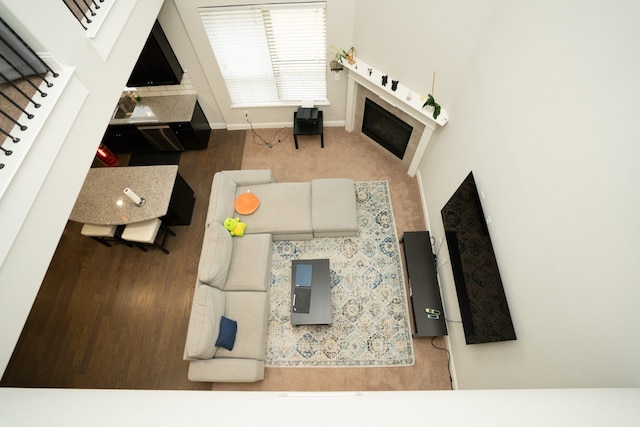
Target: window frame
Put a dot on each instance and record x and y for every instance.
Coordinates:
(318, 64)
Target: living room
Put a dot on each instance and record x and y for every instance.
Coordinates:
(528, 90)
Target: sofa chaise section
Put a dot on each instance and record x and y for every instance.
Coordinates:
(288, 210)
(285, 210)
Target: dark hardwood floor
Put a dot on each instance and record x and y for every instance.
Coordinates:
(117, 317)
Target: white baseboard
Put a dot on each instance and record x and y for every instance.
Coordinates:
(272, 125)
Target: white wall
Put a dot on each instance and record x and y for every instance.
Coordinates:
(542, 101)
(412, 39)
(546, 115)
(178, 37)
(96, 408)
(37, 204)
(209, 82)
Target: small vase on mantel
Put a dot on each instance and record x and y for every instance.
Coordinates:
(351, 56)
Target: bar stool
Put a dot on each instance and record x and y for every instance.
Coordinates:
(145, 233)
(103, 233)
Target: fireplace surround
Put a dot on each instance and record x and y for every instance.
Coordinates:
(402, 103)
(418, 128)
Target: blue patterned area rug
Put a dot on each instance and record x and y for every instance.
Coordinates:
(371, 325)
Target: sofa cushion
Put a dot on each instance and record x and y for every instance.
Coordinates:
(254, 250)
(222, 199)
(227, 334)
(204, 324)
(215, 257)
(251, 311)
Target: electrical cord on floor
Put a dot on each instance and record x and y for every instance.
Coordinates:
(259, 140)
(448, 358)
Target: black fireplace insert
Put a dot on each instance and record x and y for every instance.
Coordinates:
(385, 128)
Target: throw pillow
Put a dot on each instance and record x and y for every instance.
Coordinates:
(204, 323)
(222, 199)
(227, 335)
(215, 257)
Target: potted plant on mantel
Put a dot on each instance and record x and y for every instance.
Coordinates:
(342, 54)
(431, 101)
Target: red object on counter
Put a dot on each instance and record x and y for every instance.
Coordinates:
(106, 156)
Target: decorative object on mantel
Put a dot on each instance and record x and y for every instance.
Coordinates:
(351, 56)
(431, 101)
(394, 84)
(384, 80)
(336, 66)
(370, 70)
(341, 54)
(410, 99)
(436, 107)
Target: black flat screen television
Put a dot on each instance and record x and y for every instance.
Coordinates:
(483, 303)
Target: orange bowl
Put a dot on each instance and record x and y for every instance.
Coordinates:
(247, 203)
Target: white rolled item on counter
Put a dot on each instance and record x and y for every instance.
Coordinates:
(134, 197)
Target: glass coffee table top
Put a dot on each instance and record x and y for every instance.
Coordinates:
(310, 292)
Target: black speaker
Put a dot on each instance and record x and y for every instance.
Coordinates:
(307, 117)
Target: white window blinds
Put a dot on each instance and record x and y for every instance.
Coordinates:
(270, 53)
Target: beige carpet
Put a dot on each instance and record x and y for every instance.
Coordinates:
(351, 156)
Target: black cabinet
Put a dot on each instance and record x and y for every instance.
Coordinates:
(145, 136)
(157, 64)
(181, 205)
(195, 134)
(428, 312)
(125, 139)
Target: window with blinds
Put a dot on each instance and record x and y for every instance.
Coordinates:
(270, 54)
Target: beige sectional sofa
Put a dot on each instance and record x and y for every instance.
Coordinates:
(234, 273)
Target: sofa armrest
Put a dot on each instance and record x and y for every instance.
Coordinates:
(250, 177)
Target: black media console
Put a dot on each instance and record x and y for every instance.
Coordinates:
(426, 301)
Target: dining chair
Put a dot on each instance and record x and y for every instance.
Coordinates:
(103, 233)
(146, 234)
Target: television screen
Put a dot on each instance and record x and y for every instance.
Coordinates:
(483, 303)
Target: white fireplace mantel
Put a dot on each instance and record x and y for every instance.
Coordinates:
(403, 98)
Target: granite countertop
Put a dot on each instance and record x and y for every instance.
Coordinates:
(102, 200)
(161, 109)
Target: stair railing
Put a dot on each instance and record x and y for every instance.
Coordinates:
(24, 77)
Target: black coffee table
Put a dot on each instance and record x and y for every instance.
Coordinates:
(310, 292)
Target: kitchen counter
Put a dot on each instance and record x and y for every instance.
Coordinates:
(160, 109)
(102, 200)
